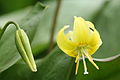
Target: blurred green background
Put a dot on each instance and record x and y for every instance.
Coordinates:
(36, 19)
(7, 6)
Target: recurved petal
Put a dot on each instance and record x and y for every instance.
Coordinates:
(65, 44)
(95, 42)
(69, 35)
(81, 31)
(90, 24)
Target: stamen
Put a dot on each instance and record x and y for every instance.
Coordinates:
(90, 59)
(76, 59)
(85, 67)
(77, 63)
(77, 66)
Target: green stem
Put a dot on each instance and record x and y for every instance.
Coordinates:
(6, 25)
(53, 26)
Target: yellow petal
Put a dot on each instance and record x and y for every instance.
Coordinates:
(95, 43)
(93, 49)
(90, 24)
(65, 44)
(96, 40)
(69, 35)
(81, 31)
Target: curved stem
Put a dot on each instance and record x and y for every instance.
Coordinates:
(11, 22)
(107, 59)
(6, 25)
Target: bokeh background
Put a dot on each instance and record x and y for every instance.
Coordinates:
(36, 19)
(7, 6)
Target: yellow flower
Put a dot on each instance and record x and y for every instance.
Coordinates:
(83, 41)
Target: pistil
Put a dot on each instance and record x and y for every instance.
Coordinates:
(84, 63)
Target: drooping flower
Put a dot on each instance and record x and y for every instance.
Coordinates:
(83, 41)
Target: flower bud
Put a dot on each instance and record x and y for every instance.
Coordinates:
(24, 48)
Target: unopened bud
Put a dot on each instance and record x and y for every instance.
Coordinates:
(24, 48)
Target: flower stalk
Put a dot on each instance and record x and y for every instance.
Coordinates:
(53, 26)
(6, 25)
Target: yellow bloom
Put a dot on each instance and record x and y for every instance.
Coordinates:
(83, 41)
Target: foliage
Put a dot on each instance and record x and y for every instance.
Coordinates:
(56, 65)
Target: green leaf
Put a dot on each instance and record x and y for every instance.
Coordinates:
(15, 16)
(8, 52)
(49, 68)
(59, 66)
